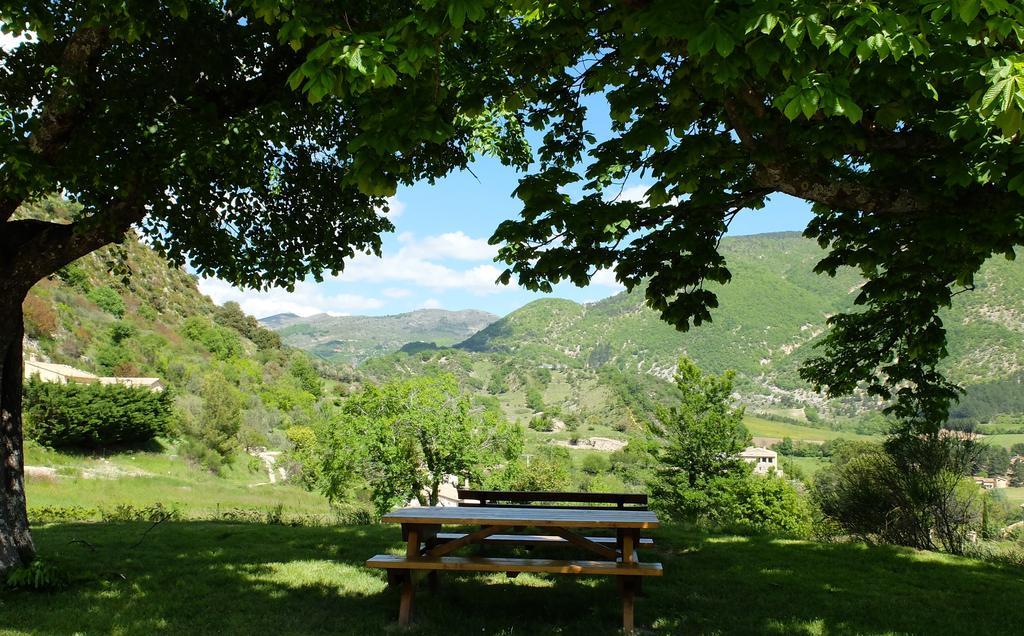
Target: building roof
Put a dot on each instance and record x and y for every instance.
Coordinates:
(60, 369)
(758, 451)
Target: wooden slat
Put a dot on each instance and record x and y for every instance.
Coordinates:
(504, 564)
(562, 496)
(451, 546)
(535, 539)
(586, 544)
(526, 517)
(475, 504)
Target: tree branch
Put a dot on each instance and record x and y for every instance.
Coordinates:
(61, 112)
(31, 249)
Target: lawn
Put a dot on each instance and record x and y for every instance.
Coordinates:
(227, 578)
(1006, 441)
(1013, 495)
(760, 427)
(145, 478)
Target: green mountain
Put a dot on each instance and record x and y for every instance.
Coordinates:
(770, 316)
(352, 339)
(149, 319)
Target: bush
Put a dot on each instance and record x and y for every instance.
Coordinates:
(153, 512)
(61, 514)
(594, 464)
(40, 319)
(38, 575)
(94, 415)
(912, 492)
(766, 505)
(108, 300)
(222, 342)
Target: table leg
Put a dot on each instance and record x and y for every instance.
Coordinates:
(408, 591)
(626, 587)
(412, 551)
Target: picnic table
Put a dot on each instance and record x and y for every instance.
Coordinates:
(429, 549)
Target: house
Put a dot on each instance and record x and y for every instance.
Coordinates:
(153, 384)
(59, 373)
(990, 483)
(64, 374)
(765, 461)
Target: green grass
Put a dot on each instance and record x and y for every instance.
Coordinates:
(223, 578)
(1013, 495)
(1004, 440)
(760, 427)
(809, 465)
(164, 479)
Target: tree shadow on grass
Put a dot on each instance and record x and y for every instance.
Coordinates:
(224, 578)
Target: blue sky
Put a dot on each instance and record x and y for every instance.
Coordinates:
(439, 257)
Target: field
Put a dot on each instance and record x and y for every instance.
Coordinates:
(1004, 440)
(146, 478)
(760, 427)
(228, 578)
(1013, 495)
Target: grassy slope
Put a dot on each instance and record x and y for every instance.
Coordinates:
(206, 578)
(168, 480)
(770, 314)
(760, 427)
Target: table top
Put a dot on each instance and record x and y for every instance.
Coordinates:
(531, 517)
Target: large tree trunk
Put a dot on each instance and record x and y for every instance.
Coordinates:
(16, 546)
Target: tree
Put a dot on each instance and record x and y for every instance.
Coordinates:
(703, 435)
(912, 491)
(176, 119)
(1017, 474)
(212, 438)
(90, 416)
(407, 437)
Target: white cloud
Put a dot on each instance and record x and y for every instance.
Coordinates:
(396, 292)
(637, 193)
(453, 245)
(416, 263)
(606, 278)
(431, 303)
(395, 208)
(307, 299)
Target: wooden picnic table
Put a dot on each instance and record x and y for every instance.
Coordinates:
(429, 549)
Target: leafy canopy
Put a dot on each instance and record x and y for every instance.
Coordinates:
(406, 438)
(892, 118)
(703, 437)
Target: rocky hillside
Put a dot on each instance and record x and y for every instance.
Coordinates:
(124, 311)
(352, 339)
(770, 316)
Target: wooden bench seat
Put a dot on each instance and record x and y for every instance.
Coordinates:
(505, 564)
(534, 539)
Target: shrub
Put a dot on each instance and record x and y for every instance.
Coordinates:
(61, 514)
(222, 342)
(94, 415)
(595, 464)
(38, 575)
(108, 300)
(153, 512)
(759, 504)
(40, 319)
(912, 491)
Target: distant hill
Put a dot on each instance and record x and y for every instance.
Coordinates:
(352, 339)
(769, 318)
(155, 322)
(278, 321)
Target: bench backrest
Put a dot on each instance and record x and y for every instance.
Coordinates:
(544, 499)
